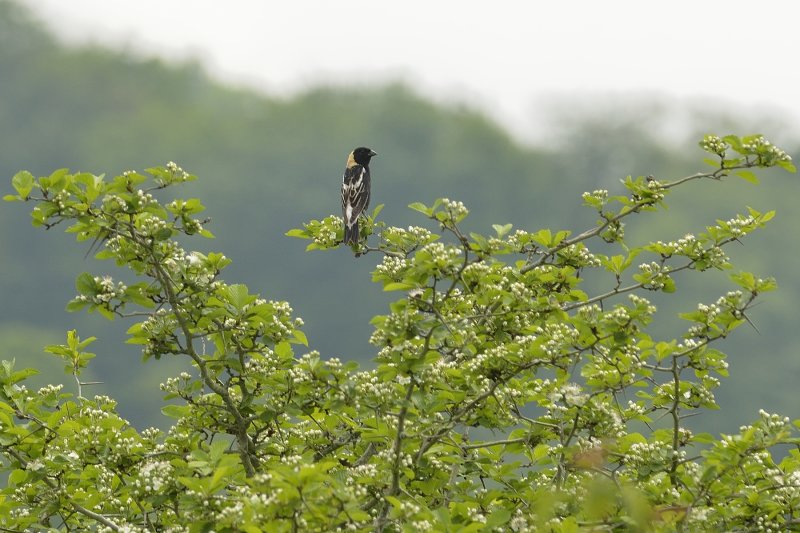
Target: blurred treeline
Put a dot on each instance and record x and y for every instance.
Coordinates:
(268, 164)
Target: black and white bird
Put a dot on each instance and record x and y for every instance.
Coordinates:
(355, 191)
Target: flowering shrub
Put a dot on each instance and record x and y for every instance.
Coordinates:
(504, 397)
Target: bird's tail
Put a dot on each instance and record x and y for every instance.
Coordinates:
(351, 233)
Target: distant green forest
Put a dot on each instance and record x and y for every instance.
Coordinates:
(267, 164)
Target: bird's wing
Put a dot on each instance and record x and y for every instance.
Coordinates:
(355, 192)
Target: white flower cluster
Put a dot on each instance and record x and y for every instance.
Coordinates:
(369, 385)
(421, 525)
(107, 291)
(368, 470)
(581, 254)
(50, 389)
(710, 311)
(731, 298)
(150, 225)
(113, 203)
(687, 245)
(143, 199)
(559, 337)
(738, 226)
(192, 226)
(406, 460)
(409, 508)
(282, 319)
(392, 267)
(716, 256)
(634, 409)
(520, 290)
(300, 373)
(589, 312)
(441, 253)
(476, 272)
(233, 513)
(153, 477)
(95, 414)
(519, 239)
(640, 301)
(58, 199)
(105, 484)
(570, 395)
(174, 384)
(714, 144)
(177, 172)
(475, 514)
(691, 344)
(456, 209)
(151, 433)
(614, 232)
(768, 525)
(732, 301)
(263, 363)
(654, 184)
(773, 152)
(327, 236)
(619, 315)
(159, 324)
(420, 233)
(599, 194)
(655, 272)
(695, 395)
(519, 524)
(790, 488)
(774, 422)
(477, 364)
(417, 234)
(651, 453)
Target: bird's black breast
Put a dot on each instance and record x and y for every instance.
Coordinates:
(355, 190)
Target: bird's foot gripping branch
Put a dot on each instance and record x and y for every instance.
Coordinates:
(505, 394)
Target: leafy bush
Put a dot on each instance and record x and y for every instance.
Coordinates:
(504, 395)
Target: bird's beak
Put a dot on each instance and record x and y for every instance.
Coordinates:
(372, 153)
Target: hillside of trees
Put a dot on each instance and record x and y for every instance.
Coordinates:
(268, 164)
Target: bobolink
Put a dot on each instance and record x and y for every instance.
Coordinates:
(355, 191)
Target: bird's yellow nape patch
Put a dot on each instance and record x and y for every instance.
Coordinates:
(351, 160)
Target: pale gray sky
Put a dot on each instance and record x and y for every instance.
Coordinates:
(511, 58)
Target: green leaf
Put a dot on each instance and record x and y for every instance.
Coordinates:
(192, 483)
(736, 142)
(397, 286)
(23, 183)
(297, 232)
(422, 208)
(284, 349)
(703, 438)
(238, 296)
(669, 286)
(85, 284)
(175, 411)
(748, 175)
(745, 280)
(543, 237)
(502, 229)
(17, 477)
(300, 337)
